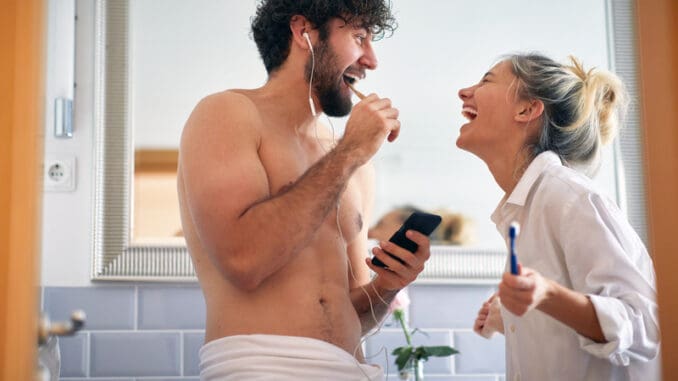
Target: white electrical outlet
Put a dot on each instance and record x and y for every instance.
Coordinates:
(59, 173)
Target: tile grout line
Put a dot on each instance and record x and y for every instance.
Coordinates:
(136, 308)
(181, 353)
(453, 359)
(88, 354)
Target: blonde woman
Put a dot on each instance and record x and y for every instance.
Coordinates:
(583, 304)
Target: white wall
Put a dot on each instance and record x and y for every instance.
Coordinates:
(67, 216)
(440, 46)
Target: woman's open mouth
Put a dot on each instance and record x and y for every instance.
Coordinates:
(469, 113)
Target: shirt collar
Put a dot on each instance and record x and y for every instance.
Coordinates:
(532, 173)
(519, 194)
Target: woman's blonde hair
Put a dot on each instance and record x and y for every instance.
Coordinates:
(582, 108)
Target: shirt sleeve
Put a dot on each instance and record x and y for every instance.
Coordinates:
(607, 261)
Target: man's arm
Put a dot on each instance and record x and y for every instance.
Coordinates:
(371, 299)
(227, 189)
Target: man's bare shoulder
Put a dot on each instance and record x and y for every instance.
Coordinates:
(230, 109)
(226, 123)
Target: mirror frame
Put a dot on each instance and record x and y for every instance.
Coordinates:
(116, 258)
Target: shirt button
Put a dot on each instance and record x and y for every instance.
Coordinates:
(513, 329)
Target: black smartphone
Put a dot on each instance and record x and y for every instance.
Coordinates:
(424, 223)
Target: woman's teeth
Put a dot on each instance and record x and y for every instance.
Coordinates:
(469, 113)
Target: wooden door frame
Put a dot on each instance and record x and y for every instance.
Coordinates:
(658, 59)
(22, 39)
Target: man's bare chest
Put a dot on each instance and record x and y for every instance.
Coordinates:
(287, 164)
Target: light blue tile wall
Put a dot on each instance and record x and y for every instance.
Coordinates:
(74, 355)
(97, 379)
(171, 308)
(192, 343)
(135, 354)
(486, 356)
(131, 379)
(141, 332)
(446, 306)
(109, 307)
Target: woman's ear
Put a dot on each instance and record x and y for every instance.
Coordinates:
(529, 110)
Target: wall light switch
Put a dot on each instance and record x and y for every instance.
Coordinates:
(63, 118)
(59, 173)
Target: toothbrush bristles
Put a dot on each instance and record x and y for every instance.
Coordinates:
(514, 229)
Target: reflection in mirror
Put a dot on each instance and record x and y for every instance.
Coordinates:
(156, 212)
(454, 228)
(157, 61)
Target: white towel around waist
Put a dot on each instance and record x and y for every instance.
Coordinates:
(280, 358)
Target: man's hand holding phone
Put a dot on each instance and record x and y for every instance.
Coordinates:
(399, 261)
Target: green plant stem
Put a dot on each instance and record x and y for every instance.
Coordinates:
(400, 316)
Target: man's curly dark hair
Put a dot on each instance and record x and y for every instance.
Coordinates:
(271, 23)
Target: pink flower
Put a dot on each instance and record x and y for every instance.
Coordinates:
(409, 355)
(400, 302)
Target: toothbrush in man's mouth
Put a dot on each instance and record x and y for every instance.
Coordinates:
(355, 91)
(350, 79)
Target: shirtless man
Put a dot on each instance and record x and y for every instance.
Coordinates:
(275, 211)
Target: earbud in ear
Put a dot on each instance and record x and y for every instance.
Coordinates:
(308, 39)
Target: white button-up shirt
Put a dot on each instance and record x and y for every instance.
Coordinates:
(575, 236)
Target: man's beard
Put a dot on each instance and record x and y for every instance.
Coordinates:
(327, 82)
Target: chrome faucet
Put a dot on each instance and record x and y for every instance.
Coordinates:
(47, 329)
(49, 361)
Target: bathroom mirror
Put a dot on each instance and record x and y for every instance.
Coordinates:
(155, 61)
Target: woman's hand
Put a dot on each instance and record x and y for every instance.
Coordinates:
(482, 315)
(489, 318)
(529, 290)
(523, 292)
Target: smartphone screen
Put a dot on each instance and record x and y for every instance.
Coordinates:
(424, 223)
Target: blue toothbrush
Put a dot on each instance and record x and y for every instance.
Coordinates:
(514, 230)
